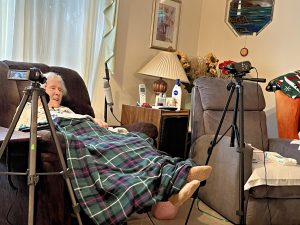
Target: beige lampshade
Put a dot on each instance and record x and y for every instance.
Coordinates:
(165, 65)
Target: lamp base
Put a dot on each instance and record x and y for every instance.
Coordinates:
(160, 86)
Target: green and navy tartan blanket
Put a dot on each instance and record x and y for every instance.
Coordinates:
(116, 174)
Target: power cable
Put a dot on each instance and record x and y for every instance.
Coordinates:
(264, 156)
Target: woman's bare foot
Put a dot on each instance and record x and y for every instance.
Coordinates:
(164, 211)
(199, 173)
(185, 193)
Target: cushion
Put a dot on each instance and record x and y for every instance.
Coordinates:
(214, 94)
(277, 175)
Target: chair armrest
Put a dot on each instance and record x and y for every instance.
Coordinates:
(47, 142)
(284, 148)
(147, 128)
(222, 187)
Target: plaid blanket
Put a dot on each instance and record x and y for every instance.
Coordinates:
(115, 174)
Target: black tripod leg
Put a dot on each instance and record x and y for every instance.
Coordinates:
(75, 205)
(231, 87)
(14, 123)
(234, 131)
(190, 210)
(32, 177)
(241, 158)
(214, 141)
(236, 135)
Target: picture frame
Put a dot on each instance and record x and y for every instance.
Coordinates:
(165, 24)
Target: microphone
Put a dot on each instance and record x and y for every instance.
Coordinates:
(108, 95)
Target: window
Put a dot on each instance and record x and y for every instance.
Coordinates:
(71, 33)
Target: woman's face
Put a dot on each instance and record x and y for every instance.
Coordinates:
(54, 90)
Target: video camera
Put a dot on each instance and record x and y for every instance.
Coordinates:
(239, 68)
(33, 74)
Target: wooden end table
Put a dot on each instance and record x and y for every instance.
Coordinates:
(172, 126)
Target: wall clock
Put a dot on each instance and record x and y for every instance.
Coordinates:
(244, 51)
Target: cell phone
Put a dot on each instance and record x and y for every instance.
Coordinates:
(142, 93)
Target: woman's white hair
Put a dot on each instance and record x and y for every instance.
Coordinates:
(57, 77)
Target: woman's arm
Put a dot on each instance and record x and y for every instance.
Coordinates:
(101, 123)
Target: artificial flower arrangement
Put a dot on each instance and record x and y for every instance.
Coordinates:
(224, 73)
(196, 67)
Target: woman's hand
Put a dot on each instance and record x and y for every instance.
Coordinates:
(101, 123)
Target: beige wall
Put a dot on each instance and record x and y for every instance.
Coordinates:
(273, 52)
(132, 50)
(202, 29)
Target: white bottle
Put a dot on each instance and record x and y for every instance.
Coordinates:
(176, 94)
(161, 100)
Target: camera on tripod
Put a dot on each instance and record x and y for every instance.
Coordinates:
(239, 68)
(33, 74)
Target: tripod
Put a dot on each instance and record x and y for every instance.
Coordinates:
(236, 133)
(35, 91)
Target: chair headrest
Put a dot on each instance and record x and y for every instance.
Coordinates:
(214, 93)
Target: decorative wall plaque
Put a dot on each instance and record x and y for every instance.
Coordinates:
(248, 17)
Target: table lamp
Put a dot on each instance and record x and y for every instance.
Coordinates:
(164, 65)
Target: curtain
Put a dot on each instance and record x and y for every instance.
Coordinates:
(78, 34)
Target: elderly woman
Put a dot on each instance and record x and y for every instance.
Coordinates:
(116, 174)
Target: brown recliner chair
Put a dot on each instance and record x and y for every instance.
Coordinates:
(278, 204)
(53, 206)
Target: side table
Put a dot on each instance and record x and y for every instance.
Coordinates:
(172, 126)
(17, 136)
(17, 140)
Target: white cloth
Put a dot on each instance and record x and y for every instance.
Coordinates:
(272, 157)
(61, 111)
(120, 130)
(296, 142)
(276, 171)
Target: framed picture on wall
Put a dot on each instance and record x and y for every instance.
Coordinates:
(165, 24)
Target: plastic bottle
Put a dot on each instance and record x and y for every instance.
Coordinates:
(176, 94)
(161, 100)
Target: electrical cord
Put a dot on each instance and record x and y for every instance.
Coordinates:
(10, 208)
(8, 164)
(206, 213)
(112, 112)
(264, 159)
(150, 219)
(9, 167)
(268, 205)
